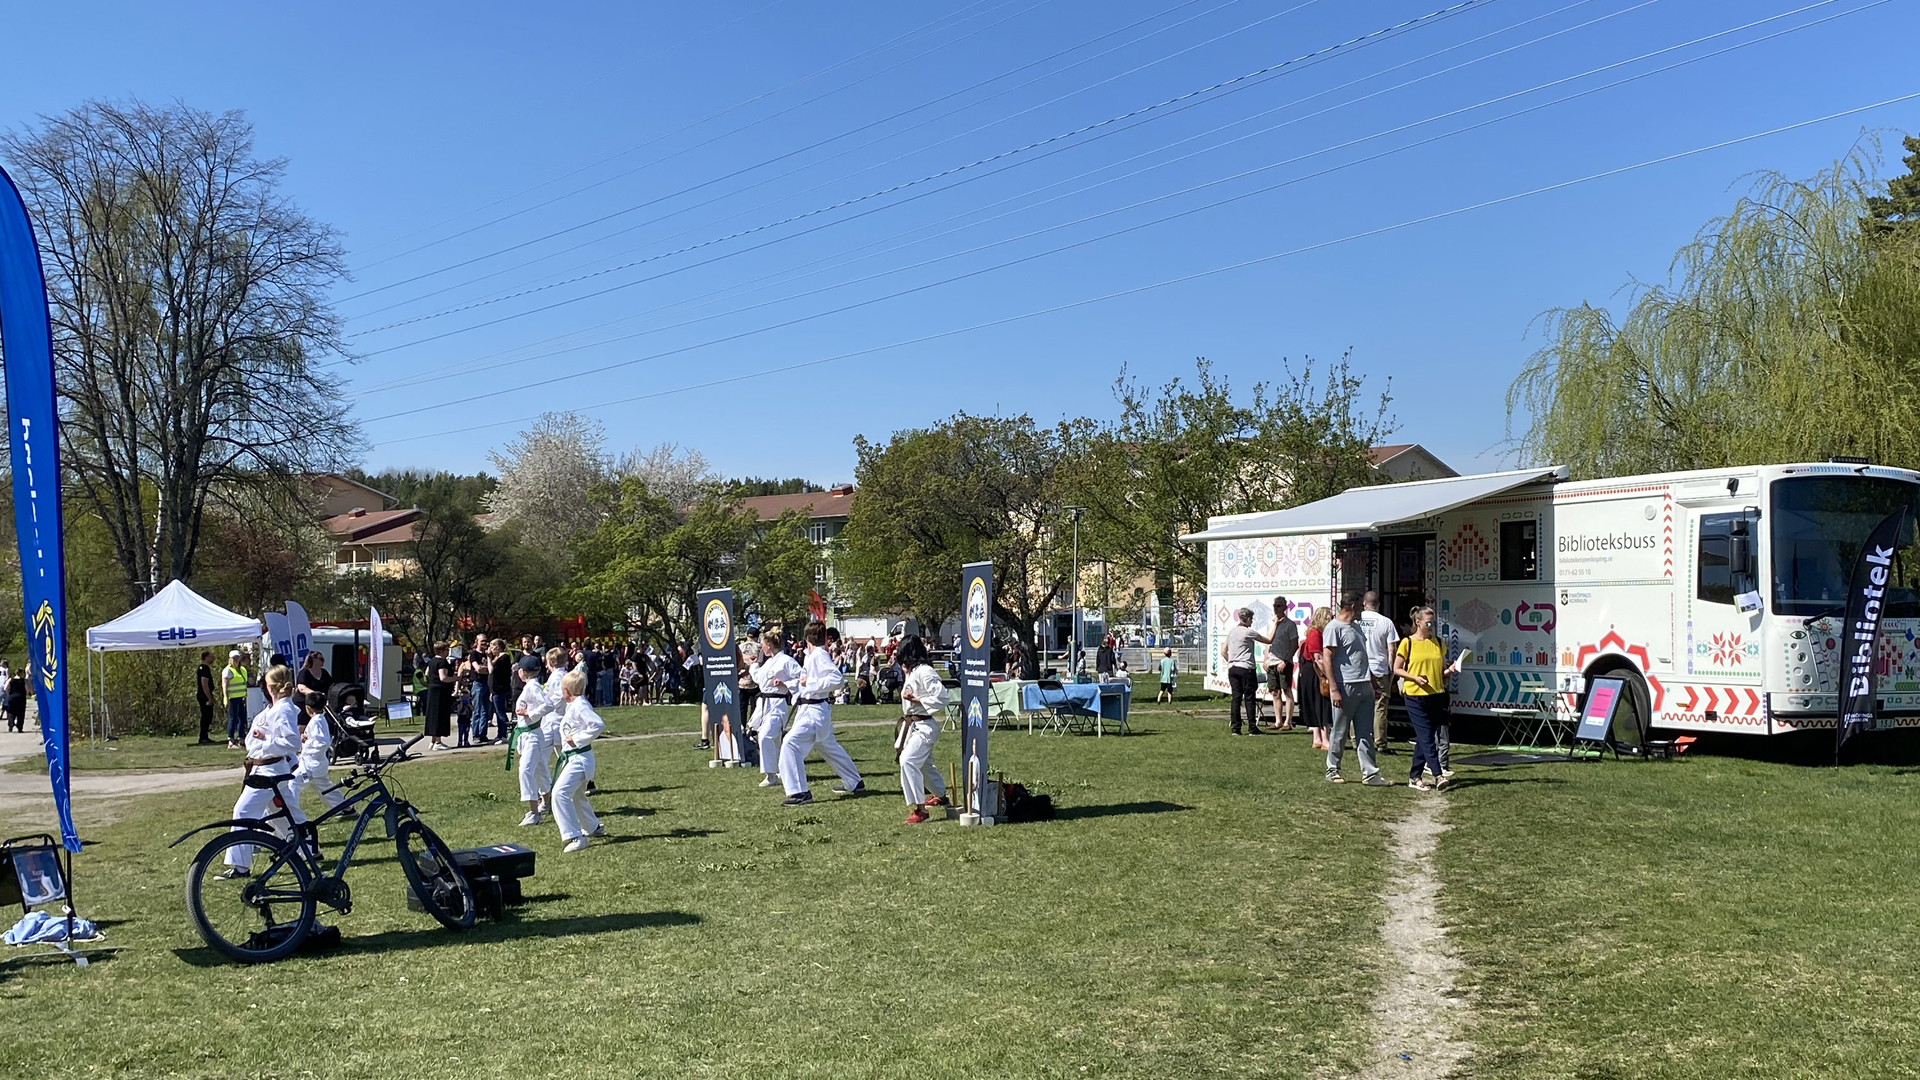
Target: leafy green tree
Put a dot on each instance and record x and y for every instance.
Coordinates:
(405, 486)
(1897, 213)
(646, 559)
(968, 489)
(1181, 453)
(1786, 332)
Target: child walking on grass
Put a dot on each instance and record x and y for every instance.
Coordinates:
(922, 697)
(579, 726)
(526, 745)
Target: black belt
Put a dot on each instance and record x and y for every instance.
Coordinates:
(813, 700)
(771, 694)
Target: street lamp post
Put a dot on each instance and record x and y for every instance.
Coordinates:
(1073, 648)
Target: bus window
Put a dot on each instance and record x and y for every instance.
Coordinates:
(1519, 550)
(1713, 579)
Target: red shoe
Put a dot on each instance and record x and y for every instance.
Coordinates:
(918, 817)
(936, 800)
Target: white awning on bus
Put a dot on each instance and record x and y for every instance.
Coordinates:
(1365, 509)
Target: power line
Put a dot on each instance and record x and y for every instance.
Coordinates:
(1199, 275)
(1213, 183)
(711, 116)
(483, 257)
(468, 366)
(1238, 81)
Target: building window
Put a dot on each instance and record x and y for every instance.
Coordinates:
(817, 533)
(819, 573)
(1713, 568)
(1519, 550)
(380, 556)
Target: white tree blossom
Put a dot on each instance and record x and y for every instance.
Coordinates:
(546, 474)
(682, 476)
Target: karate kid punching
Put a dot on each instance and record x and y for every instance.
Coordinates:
(526, 745)
(813, 724)
(579, 726)
(922, 697)
(273, 752)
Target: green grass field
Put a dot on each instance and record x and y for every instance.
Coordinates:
(1203, 906)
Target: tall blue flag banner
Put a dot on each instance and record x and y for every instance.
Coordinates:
(976, 680)
(33, 434)
(1860, 634)
(722, 690)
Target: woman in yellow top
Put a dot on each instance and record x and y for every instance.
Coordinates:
(1420, 661)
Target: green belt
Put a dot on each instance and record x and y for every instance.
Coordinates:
(513, 742)
(565, 754)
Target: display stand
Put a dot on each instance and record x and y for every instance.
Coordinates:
(35, 871)
(1596, 719)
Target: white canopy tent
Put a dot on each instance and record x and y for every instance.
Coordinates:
(176, 618)
(1367, 509)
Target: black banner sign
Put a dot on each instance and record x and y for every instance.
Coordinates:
(976, 677)
(722, 695)
(1866, 601)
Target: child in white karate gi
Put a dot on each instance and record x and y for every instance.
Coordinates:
(526, 745)
(550, 723)
(316, 753)
(922, 697)
(273, 752)
(579, 726)
(776, 675)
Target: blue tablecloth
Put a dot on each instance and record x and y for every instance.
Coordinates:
(1110, 700)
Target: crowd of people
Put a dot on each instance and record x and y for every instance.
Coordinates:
(1337, 679)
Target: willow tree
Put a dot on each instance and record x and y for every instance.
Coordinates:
(1785, 332)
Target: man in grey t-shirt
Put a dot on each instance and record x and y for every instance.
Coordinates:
(1350, 685)
(1242, 681)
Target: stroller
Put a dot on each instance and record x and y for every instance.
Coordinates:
(352, 728)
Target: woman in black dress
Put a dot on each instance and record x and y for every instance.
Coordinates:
(438, 701)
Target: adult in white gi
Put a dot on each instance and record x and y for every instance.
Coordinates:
(776, 676)
(273, 752)
(820, 679)
(579, 726)
(923, 696)
(526, 745)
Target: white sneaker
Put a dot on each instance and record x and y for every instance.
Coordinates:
(578, 843)
(768, 781)
(599, 830)
(532, 818)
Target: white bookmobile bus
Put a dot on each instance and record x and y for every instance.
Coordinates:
(1717, 594)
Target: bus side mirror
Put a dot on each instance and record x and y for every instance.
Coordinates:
(1744, 567)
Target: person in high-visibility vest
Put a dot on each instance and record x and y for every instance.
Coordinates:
(235, 677)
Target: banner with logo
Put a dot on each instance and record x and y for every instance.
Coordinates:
(376, 657)
(1866, 602)
(722, 695)
(976, 678)
(279, 635)
(33, 435)
(300, 633)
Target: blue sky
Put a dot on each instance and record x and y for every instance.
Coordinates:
(433, 135)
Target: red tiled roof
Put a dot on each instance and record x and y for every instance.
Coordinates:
(816, 504)
(355, 528)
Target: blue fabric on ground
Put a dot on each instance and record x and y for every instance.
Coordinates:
(38, 926)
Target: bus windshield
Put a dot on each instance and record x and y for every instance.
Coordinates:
(1820, 524)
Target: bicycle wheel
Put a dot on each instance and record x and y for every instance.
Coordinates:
(261, 916)
(428, 864)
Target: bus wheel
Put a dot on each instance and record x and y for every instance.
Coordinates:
(1633, 717)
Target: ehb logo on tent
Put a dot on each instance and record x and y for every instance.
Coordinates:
(977, 613)
(717, 624)
(177, 633)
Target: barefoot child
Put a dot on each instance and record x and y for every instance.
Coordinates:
(775, 675)
(527, 746)
(579, 726)
(922, 696)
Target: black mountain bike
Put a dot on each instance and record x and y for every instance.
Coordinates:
(264, 909)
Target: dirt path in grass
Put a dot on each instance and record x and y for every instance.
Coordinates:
(1418, 1011)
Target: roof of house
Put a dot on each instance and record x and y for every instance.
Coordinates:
(815, 504)
(336, 478)
(1380, 455)
(359, 526)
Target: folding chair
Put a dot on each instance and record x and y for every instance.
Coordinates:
(1064, 714)
(952, 708)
